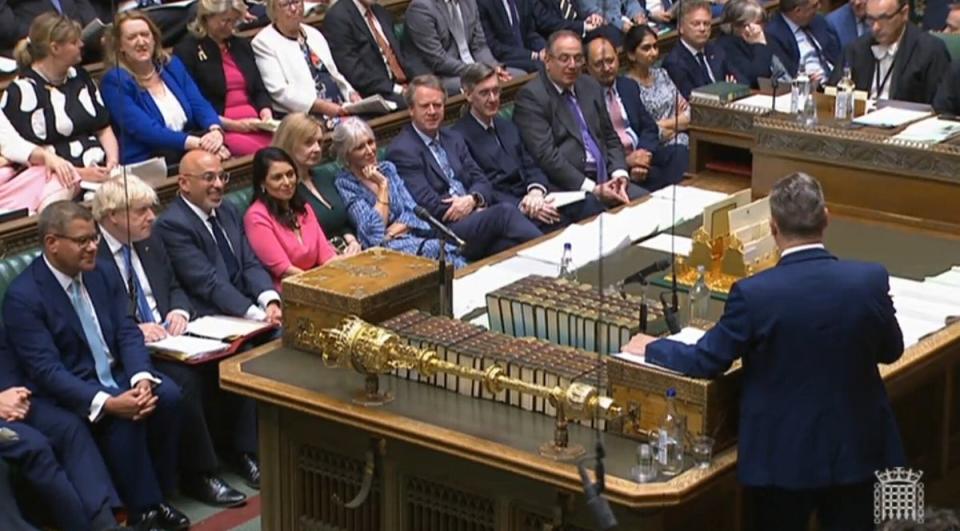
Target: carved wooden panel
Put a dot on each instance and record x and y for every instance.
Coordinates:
(526, 520)
(430, 506)
(323, 475)
(731, 118)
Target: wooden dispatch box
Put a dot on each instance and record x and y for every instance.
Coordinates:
(374, 285)
(712, 407)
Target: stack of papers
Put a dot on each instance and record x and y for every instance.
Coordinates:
(470, 291)
(930, 131)
(765, 102)
(224, 328)
(664, 242)
(923, 307)
(888, 117)
(187, 347)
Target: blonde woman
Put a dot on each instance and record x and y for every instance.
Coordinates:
(224, 68)
(301, 136)
(296, 65)
(155, 106)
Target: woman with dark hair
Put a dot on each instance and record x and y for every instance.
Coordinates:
(745, 44)
(282, 228)
(657, 90)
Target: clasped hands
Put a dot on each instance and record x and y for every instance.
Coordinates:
(639, 163)
(136, 403)
(14, 404)
(460, 207)
(535, 205)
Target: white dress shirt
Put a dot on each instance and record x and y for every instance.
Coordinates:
(882, 74)
(96, 405)
(809, 60)
(799, 248)
(254, 312)
(286, 74)
(693, 51)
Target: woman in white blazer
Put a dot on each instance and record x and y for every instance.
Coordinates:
(296, 64)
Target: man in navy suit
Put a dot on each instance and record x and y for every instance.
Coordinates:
(54, 453)
(696, 61)
(161, 308)
(651, 164)
(511, 32)
(848, 22)
(443, 178)
(802, 39)
(209, 249)
(78, 347)
(815, 420)
(495, 144)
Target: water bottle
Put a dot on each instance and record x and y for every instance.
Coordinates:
(567, 272)
(843, 106)
(646, 470)
(699, 297)
(799, 93)
(670, 437)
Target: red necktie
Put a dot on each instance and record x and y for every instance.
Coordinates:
(398, 75)
(616, 117)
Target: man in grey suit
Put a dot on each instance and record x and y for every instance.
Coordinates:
(444, 37)
(565, 126)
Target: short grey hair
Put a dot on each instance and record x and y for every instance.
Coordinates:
(57, 215)
(797, 206)
(208, 8)
(475, 74)
(738, 13)
(113, 195)
(347, 135)
(424, 80)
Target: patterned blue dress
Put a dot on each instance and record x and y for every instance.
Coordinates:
(371, 230)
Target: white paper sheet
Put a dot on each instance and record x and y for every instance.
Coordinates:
(765, 102)
(890, 117)
(223, 327)
(642, 360)
(188, 346)
(688, 335)
(669, 244)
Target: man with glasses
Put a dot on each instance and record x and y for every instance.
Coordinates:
(696, 61)
(897, 61)
(495, 144)
(564, 125)
(133, 254)
(651, 164)
(78, 347)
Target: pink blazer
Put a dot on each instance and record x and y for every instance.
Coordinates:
(279, 248)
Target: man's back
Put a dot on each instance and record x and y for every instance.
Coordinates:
(811, 332)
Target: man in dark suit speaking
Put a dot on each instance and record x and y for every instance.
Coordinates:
(815, 420)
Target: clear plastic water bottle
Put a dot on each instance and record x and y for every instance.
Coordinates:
(799, 93)
(843, 106)
(670, 437)
(567, 271)
(699, 297)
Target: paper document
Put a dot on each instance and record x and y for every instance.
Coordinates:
(562, 199)
(370, 105)
(269, 126)
(950, 277)
(666, 243)
(890, 117)
(222, 327)
(765, 102)
(7, 65)
(186, 347)
(930, 131)
(639, 359)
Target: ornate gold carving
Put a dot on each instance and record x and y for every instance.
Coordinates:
(712, 115)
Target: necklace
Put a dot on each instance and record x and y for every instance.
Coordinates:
(56, 81)
(146, 78)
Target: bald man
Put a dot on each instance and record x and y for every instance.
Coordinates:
(897, 61)
(215, 265)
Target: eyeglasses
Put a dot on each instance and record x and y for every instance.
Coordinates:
(290, 5)
(210, 176)
(566, 59)
(82, 241)
(882, 18)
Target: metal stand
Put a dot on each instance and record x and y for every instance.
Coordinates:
(371, 394)
(559, 449)
(445, 310)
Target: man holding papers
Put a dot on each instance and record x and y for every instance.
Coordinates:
(160, 308)
(76, 343)
(815, 420)
(495, 144)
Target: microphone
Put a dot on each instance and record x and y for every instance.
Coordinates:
(437, 226)
(598, 505)
(641, 276)
(670, 314)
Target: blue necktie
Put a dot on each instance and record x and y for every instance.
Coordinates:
(97, 349)
(143, 307)
(57, 6)
(588, 142)
(229, 259)
(456, 187)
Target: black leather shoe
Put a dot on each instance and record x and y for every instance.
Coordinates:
(213, 490)
(145, 522)
(250, 470)
(169, 518)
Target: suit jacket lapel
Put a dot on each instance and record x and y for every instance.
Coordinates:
(900, 61)
(562, 108)
(57, 299)
(360, 21)
(198, 225)
(428, 157)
